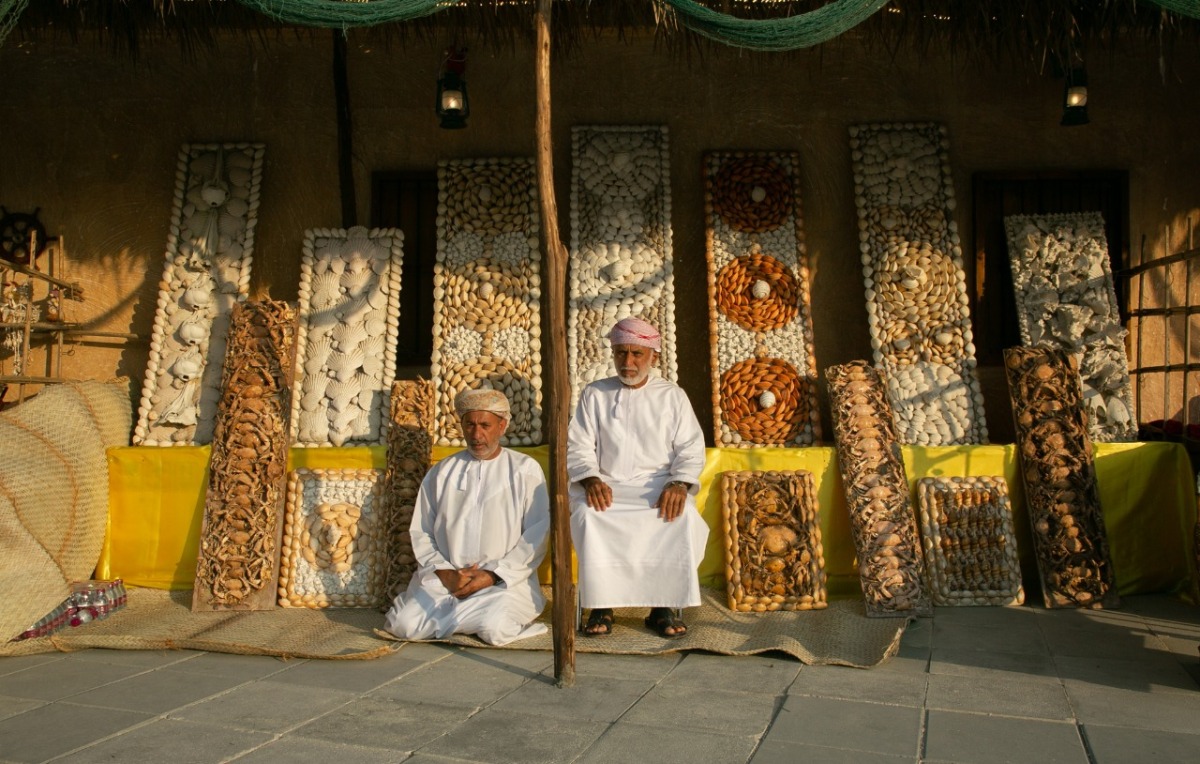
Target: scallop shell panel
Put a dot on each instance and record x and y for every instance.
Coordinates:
(487, 290)
(207, 270)
(1065, 298)
(916, 293)
(759, 307)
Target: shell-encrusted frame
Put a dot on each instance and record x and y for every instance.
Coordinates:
(774, 559)
(486, 293)
(970, 546)
(207, 270)
(620, 245)
(409, 455)
(760, 322)
(333, 552)
(917, 304)
(1063, 284)
(349, 324)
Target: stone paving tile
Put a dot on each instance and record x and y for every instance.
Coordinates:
(626, 742)
(651, 667)
(389, 724)
(980, 664)
(308, 751)
(56, 728)
(1024, 638)
(13, 706)
(699, 708)
(170, 740)
(508, 738)
(791, 753)
(460, 680)
(264, 706)
(428, 758)
(62, 679)
(856, 684)
(247, 667)
(1100, 641)
(744, 673)
(918, 633)
(1121, 745)
(1170, 711)
(528, 660)
(17, 663)
(348, 676)
(595, 698)
(156, 692)
(428, 652)
(1027, 696)
(968, 738)
(1148, 673)
(847, 724)
(142, 658)
(907, 660)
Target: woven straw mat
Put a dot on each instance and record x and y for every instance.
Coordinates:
(54, 494)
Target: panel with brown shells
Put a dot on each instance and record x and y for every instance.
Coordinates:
(207, 270)
(333, 546)
(620, 245)
(1063, 284)
(774, 559)
(486, 293)
(915, 286)
(409, 455)
(239, 535)
(970, 547)
(349, 324)
(760, 322)
(890, 562)
(1059, 474)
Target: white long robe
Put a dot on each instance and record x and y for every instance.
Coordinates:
(494, 513)
(636, 440)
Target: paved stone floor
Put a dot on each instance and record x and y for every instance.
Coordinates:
(969, 685)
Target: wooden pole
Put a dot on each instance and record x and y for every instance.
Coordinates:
(554, 271)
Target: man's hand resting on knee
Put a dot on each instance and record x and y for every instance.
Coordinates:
(466, 581)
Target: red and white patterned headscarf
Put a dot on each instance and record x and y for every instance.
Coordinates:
(635, 331)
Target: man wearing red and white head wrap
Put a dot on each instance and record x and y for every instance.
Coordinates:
(479, 533)
(634, 456)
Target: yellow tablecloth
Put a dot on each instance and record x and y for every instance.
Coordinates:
(156, 499)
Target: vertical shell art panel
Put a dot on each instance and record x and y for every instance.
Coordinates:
(917, 304)
(1065, 298)
(409, 455)
(760, 324)
(620, 245)
(487, 329)
(207, 270)
(349, 320)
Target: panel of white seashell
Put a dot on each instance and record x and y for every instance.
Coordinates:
(207, 270)
(620, 245)
(916, 291)
(760, 324)
(486, 293)
(1065, 298)
(349, 324)
(333, 547)
(970, 546)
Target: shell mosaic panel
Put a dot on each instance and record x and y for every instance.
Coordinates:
(916, 291)
(487, 289)
(409, 455)
(349, 324)
(333, 546)
(890, 561)
(764, 371)
(774, 559)
(243, 508)
(207, 270)
(1065, 298)
(970, 546)
(1059, 475)
(620, 245)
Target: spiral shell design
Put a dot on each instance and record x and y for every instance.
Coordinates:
(917, 305)
(760, 321)
(487, 289)
(207, 270)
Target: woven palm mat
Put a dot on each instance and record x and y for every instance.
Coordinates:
(840, 634)
(160, 620)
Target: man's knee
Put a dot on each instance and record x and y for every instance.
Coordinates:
(409, 622)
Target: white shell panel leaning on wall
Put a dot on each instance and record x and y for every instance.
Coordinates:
(1066, 299)
(487, 321)
(620, 245)
(346, 347)
(915, 287)
(207, 270)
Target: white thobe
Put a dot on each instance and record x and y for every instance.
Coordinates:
(636, 440)
(494, 513)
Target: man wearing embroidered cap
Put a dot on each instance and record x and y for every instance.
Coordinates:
(634, 456)
(478, 533)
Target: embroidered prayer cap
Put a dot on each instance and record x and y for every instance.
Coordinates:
(483, 399)
(635, 331)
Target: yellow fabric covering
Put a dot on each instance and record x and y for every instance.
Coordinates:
(157, 497)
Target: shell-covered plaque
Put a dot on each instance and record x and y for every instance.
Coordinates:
(409, 455)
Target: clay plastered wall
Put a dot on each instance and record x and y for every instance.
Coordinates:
(106, 183)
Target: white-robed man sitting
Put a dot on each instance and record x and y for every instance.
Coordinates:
(634, 456)
(478, 534)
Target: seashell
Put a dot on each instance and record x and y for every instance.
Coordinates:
(349, 336)
(326, 290)
(345, 365)
(760, 289)
(193, 332)
(766, 399)
(357, 282)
